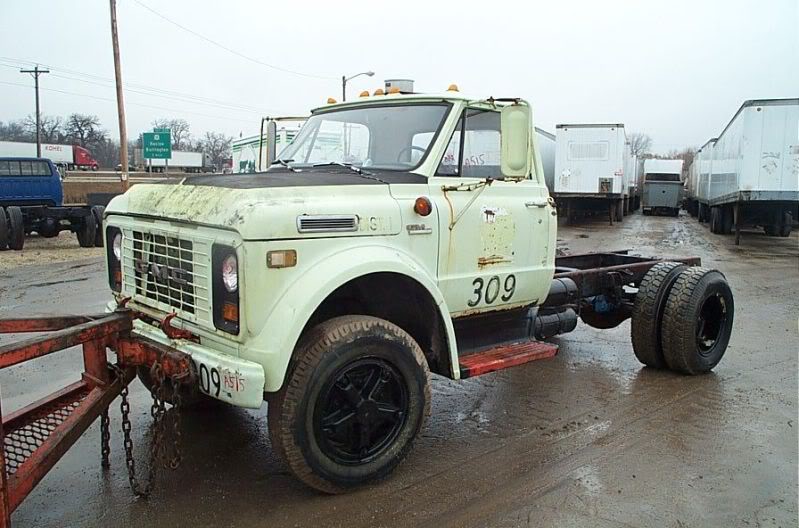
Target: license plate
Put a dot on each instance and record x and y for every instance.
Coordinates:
(222, 383)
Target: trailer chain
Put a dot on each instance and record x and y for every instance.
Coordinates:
(105, 439)
(158, 452)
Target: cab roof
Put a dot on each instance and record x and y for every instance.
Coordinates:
(450, 96)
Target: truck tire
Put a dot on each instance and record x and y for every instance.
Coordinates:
(647, 318)
(727, 219)
(3, 229)
(619, 211)
(787, 225)
(715, 220)
(352, 404)
(16, 228)
(97, 212)
(697, 321)
(87, 231)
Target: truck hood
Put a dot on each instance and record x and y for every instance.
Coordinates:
(269, 206)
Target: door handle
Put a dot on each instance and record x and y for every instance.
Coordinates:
(536, 203)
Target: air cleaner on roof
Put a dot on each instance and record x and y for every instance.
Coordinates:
(404, 85)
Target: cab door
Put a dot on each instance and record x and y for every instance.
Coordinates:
(494, 233)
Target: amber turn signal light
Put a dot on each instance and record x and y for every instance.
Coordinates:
(230, 312)
(422, 206)
(284, 258)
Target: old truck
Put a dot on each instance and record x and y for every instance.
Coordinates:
(32, 201)
(333, 284)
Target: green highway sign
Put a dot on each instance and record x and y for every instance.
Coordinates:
(162, 130)
(157, 145)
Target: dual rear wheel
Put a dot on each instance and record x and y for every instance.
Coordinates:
(682, 318)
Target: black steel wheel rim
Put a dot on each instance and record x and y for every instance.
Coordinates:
(361, 411)
(711, 322)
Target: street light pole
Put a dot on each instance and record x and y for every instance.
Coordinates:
(344, 80)
(35, 72)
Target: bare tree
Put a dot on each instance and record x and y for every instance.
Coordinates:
(179, 130)
(640, 143)
(216, 147)
(84, 130)
(52, 128)
(15, 131)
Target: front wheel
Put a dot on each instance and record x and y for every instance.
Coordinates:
(354, 401)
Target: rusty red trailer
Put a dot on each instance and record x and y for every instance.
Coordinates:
(36, 436)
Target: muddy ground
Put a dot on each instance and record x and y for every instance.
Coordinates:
(589, 438)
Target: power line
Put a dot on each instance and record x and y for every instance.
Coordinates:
(230, 50)
(224, 118)
(142, 89)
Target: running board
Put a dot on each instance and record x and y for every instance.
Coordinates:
(504, 356)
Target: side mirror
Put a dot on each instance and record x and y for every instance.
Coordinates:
(515, 124)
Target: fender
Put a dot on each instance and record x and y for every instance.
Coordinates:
(274, 344)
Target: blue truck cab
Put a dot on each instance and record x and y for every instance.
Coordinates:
(30, 181)
(32, 201)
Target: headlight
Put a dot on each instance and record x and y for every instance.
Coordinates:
(230, 273)
(117, 246)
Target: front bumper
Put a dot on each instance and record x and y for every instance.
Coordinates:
(227, 378)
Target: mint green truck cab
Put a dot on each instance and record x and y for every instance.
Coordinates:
(332, 284)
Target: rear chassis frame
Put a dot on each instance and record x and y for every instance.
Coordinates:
(36, 436)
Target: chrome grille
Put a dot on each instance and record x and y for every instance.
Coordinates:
(167, 272)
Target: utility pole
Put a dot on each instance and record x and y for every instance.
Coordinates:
(123, 134)
(35, 72)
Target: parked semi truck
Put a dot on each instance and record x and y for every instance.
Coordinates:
(752, 170)
(31, 201)
(70, 157)
(663, 186)
(416, 235)
(590, 168)
(181, 161)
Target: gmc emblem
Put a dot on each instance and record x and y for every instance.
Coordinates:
(162, 273)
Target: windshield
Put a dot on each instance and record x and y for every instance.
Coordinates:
(392, 137)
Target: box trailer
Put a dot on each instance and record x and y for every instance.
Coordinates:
(663, 186)
(252, 153)
(589, 169)
(753, 174)
(546, 149)
(181, 161)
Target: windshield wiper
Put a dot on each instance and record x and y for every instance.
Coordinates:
(350, 166)
(286, 163)
(354, 168)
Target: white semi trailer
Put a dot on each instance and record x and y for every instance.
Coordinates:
(590, 167)
(547, 148)
(181, 161)
(753, 174)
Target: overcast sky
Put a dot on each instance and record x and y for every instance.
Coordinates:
(676, 70)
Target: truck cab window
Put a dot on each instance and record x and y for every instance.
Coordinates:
(480, 145)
